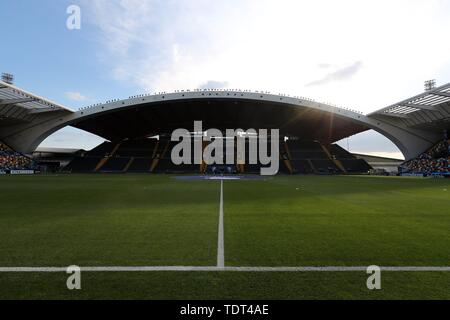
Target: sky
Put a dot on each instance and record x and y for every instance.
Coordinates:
(363, 55)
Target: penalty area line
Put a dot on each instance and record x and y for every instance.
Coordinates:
(223, 269)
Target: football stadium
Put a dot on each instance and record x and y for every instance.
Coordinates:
(140, 226)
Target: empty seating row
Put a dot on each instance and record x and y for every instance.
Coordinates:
(140, 165)
(355, 165)
(102, 150)
(146, 155)
(137, 148)
(83, 164)
(115, 164)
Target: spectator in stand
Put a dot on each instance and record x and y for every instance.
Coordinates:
(4, 148)
(435, 160)
(11, 160)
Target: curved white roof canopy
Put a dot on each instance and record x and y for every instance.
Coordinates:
(35, 118)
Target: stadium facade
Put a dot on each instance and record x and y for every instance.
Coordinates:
(413, 125)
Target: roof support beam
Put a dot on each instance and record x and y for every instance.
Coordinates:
(427, 94)
(395, 115)
(442, 94)
(15, 101)
(420, 106)
(42, 110)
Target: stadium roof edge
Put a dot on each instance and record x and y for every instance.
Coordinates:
(18, 94)
(209, 93)
(146, 109)
(426, 101)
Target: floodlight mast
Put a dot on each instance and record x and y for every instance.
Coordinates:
(430, 85)
(8, 78)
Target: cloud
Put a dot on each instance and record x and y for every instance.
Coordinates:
(163, 45)
(156, 45)
(212, 84)
(76, 96)
(324, 65)
(169, 45)
(345, 73)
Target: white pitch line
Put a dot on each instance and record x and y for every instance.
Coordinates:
(222, 269)
(220, 240)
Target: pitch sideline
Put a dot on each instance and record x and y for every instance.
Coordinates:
(223, 269)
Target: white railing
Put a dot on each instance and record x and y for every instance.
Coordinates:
(146, 95)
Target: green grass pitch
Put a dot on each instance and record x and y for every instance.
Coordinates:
(149, 220)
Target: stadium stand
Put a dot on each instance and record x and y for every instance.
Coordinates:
(115, 164)
(137, 148)
(349, 162)
(163, 163)
(11, 160)
(140, 165)
(83, 164)
(89, 161)
(102, 150)
(435, 161)
(151, 155)
(309, 157)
